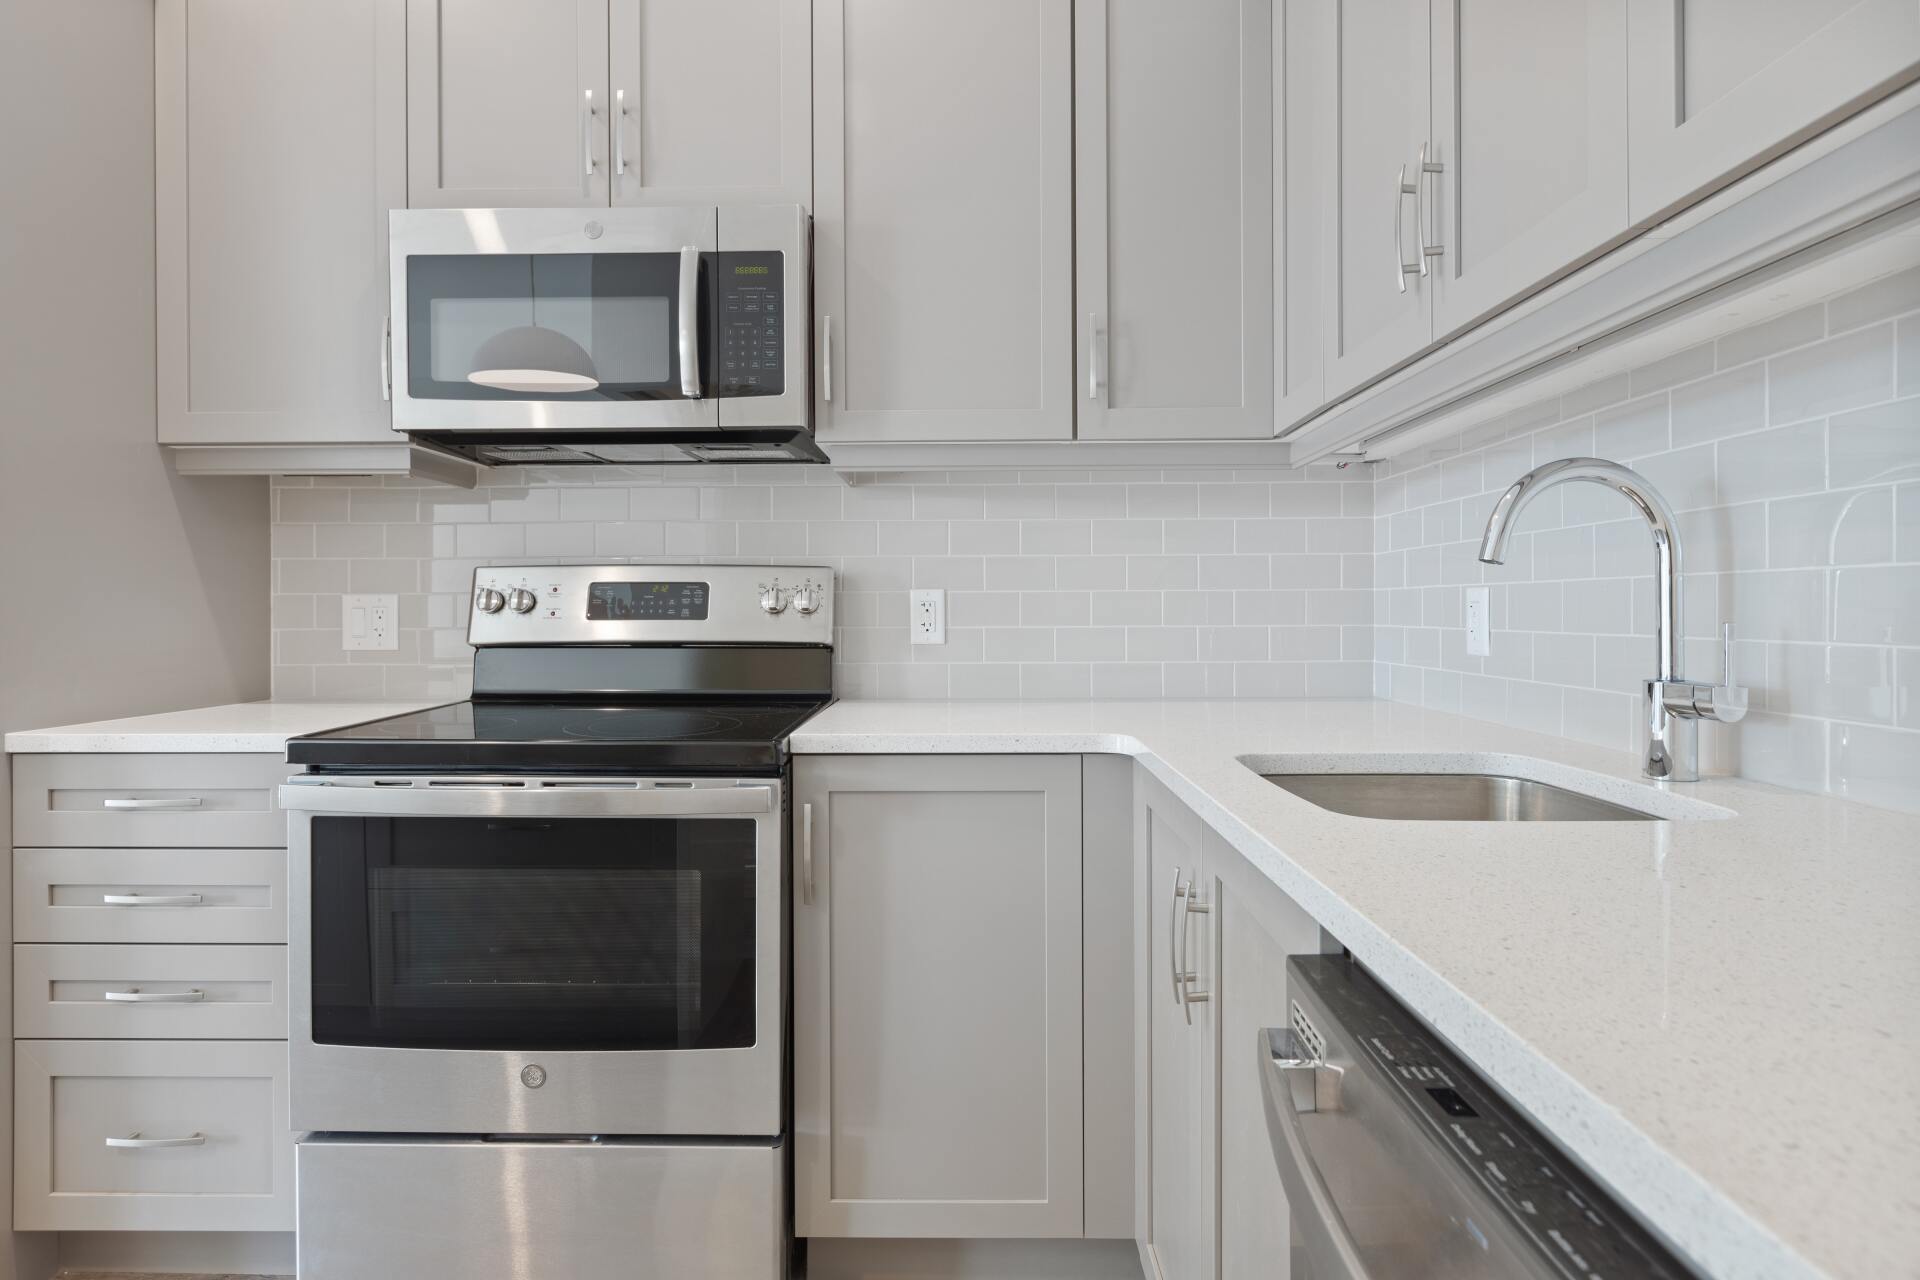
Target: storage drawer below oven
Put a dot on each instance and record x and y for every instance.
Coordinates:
(392, 1209)
(151, 1135)
(72, 991)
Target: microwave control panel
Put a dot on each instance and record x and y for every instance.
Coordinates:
(749, 296)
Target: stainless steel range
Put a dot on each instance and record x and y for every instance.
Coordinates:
(539, 938)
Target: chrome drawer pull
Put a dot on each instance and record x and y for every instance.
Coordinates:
(135, 1142)
(169, 802)
(150, 899)
(135, 995)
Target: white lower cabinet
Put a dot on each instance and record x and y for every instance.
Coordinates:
(155, 1135)
(937, 996)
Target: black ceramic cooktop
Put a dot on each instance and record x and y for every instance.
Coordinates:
(704, 737)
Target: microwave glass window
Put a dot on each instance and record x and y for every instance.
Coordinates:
(585, 326)
(578, 933)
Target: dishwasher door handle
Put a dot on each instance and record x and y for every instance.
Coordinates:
(1290, 1074)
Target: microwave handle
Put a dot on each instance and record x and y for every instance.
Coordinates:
(690, 323)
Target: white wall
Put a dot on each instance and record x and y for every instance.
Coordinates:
(1791, 451)
(123, 589)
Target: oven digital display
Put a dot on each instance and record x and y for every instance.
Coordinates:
(638, 601)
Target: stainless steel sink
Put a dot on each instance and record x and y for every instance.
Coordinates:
(1450, 797)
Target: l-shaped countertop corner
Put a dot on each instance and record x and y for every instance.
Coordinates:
(1674, 1001)
(1670, 999)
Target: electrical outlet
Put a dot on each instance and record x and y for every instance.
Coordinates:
(1477, 628)
(927, 616)
(370, 622)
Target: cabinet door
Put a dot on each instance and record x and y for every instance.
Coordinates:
(943, 227)
(1377, 311)
(937, 1086)
(1174, 1148)
(1719, 86)
(712, 101)
(1304, 40)
(1258, 928)
(1530, 131)
(1174, 204)
(506, 103)
(279, 148)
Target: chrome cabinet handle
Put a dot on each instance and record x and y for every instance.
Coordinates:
(1401, 267)
(1421, 207)
(806, 855)
(690, 322)
(150, 899)
(1188, 996)
(1094, 334)
(135, 1142)
(155, 802)
(619, 128)
(826, 358)
(386, 358)
(137, 996)
(1173, 943)
(587, 115)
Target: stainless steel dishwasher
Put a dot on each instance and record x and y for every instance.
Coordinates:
(1401, 1164)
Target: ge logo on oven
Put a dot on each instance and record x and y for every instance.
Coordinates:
(533, 1075)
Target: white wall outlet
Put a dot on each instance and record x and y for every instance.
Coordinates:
(1477, 626)
(369, 622)
(927, 616)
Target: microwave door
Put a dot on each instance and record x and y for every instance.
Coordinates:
(538, 320)
(762, 294)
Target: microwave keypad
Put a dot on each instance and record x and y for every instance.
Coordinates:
(751, 329)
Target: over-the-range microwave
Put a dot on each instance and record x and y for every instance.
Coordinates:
(669, 334)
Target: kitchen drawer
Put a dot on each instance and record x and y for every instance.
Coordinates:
(165, 895)
(72, 992)
(224, 1101)
(147, 800)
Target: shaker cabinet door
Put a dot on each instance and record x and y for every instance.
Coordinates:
(1174, 206)
(1530, 132)
(712, 101)
(937, 996)
(506, 103)
(1379, 291)
(279, 148)
(1304, 40)
(943, 221)
(1720, 86)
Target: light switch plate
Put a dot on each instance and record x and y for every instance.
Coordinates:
(370, 622)
(1477, 628)
(927, 616)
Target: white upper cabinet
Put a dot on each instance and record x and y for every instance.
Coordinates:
(711, 101)
(506, 103)
(1530, 132)
(1303, 238)
(1377, 300)
(943, 219)
(1719, 86)
(278, 154)
(1174, 191)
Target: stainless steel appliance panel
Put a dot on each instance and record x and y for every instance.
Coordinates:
(386, 1209)
(741, 604)
(371, 1088)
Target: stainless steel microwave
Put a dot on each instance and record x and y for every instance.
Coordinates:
(665, 334)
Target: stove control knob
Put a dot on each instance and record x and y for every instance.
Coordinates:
(487, 600)
(521, 600)
(807, 599)
(772, 599)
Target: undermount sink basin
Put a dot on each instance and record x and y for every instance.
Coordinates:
(1450, 797)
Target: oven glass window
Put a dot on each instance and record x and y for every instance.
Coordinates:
(580, 933)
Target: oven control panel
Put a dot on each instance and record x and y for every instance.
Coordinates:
(650, 604)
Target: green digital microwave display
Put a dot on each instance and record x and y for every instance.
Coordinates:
(750, 271)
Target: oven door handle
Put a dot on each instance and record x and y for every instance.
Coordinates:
(533, 798)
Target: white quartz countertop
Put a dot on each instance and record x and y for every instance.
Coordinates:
(238, 726)
(1719, 1015)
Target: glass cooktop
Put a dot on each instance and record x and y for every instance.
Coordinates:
(680, 737)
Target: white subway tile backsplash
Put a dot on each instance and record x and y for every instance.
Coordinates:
(1840, 373)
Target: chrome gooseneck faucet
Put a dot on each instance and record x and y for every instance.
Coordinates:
(1675, 706)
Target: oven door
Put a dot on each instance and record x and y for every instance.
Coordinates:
(536, 956)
